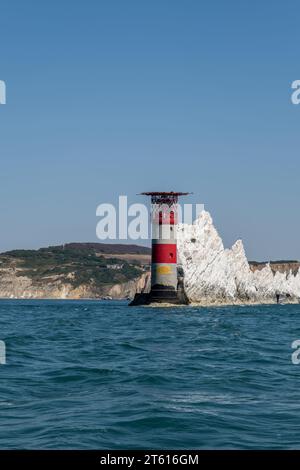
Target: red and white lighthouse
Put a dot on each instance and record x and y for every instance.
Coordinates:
(164, 216)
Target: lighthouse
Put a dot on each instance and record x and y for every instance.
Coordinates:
(164, 279)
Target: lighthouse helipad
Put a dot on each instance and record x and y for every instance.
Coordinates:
(165, 283)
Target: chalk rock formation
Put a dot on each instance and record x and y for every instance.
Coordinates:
(213, 274)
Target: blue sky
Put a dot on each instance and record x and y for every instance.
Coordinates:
(109, 97)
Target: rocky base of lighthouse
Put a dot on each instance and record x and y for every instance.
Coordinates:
(147, 299)
(162, 295)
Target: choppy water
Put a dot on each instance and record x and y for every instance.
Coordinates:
(88, 375)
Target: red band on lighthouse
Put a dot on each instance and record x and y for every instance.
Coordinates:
(164, 253)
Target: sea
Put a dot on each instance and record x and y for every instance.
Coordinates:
(102, 375)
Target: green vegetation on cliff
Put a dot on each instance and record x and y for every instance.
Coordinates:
(76, 264)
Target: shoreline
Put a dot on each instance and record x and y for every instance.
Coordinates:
(204, 303)
(221, 304)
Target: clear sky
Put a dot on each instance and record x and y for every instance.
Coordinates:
(109, 97)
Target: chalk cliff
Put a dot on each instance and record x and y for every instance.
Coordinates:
(215, 275)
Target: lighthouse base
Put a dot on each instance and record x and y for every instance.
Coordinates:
(161, 295)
